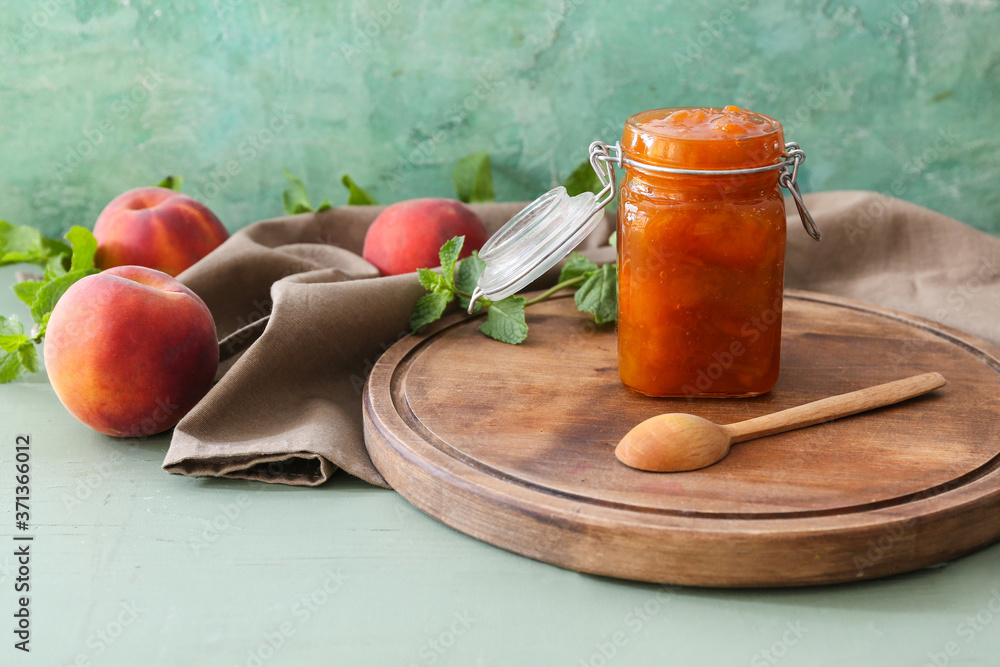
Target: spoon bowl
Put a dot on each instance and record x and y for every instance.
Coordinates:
(677, 442)
(674, 443)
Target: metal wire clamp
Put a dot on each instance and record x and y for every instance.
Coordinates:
(788, 168)
(546, 230)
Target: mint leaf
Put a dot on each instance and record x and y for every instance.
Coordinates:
(613, 240)
(26, 290)
(356, 196)
(172, 183)
(473, 179)
(84, 246)
(577, 265)
(432, 280)
(17, 352)
(295, 199)
(17, 363)
(598, 294)
(50, 292)
(11, 334)
(583, 179)
(429, 308)
(56, 266)
(505, 320)
(467, 277)
(20, 243)
(449, 255)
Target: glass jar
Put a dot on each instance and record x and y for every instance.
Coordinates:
(700, 255)
(701, 247)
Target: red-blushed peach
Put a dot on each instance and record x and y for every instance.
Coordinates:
(408, 235)
(157, 228)
(129, 351)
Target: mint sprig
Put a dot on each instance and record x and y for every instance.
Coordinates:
(172, 182)
(64, 264)
(355, 195)
(456, 279)
(429, 308)
(295, 199)
(576, 265)
(17, 351)
(505, 320)
(26, 244)
(473, 179)
(598, 295)
(466, 276)
(583, 179)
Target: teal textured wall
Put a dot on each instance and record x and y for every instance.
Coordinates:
(98, 96)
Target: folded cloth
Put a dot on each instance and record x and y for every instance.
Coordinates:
(302, 318)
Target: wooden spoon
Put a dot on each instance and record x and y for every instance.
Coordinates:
(676, 442)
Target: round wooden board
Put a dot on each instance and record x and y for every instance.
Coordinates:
(514, 445)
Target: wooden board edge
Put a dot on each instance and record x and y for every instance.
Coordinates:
(585, 540)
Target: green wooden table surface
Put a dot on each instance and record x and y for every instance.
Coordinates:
(132, 566)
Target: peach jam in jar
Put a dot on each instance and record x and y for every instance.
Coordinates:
(701, 247)
(701, 252)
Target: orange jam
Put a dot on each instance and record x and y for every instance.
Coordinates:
(700, 257)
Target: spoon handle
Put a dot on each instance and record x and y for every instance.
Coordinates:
(834, 407)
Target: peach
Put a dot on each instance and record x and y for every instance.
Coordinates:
(408, 235)
(158, 228)
(129, 351)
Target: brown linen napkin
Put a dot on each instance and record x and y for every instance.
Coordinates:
(312, 317)
(899, 255)
(287, 407)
